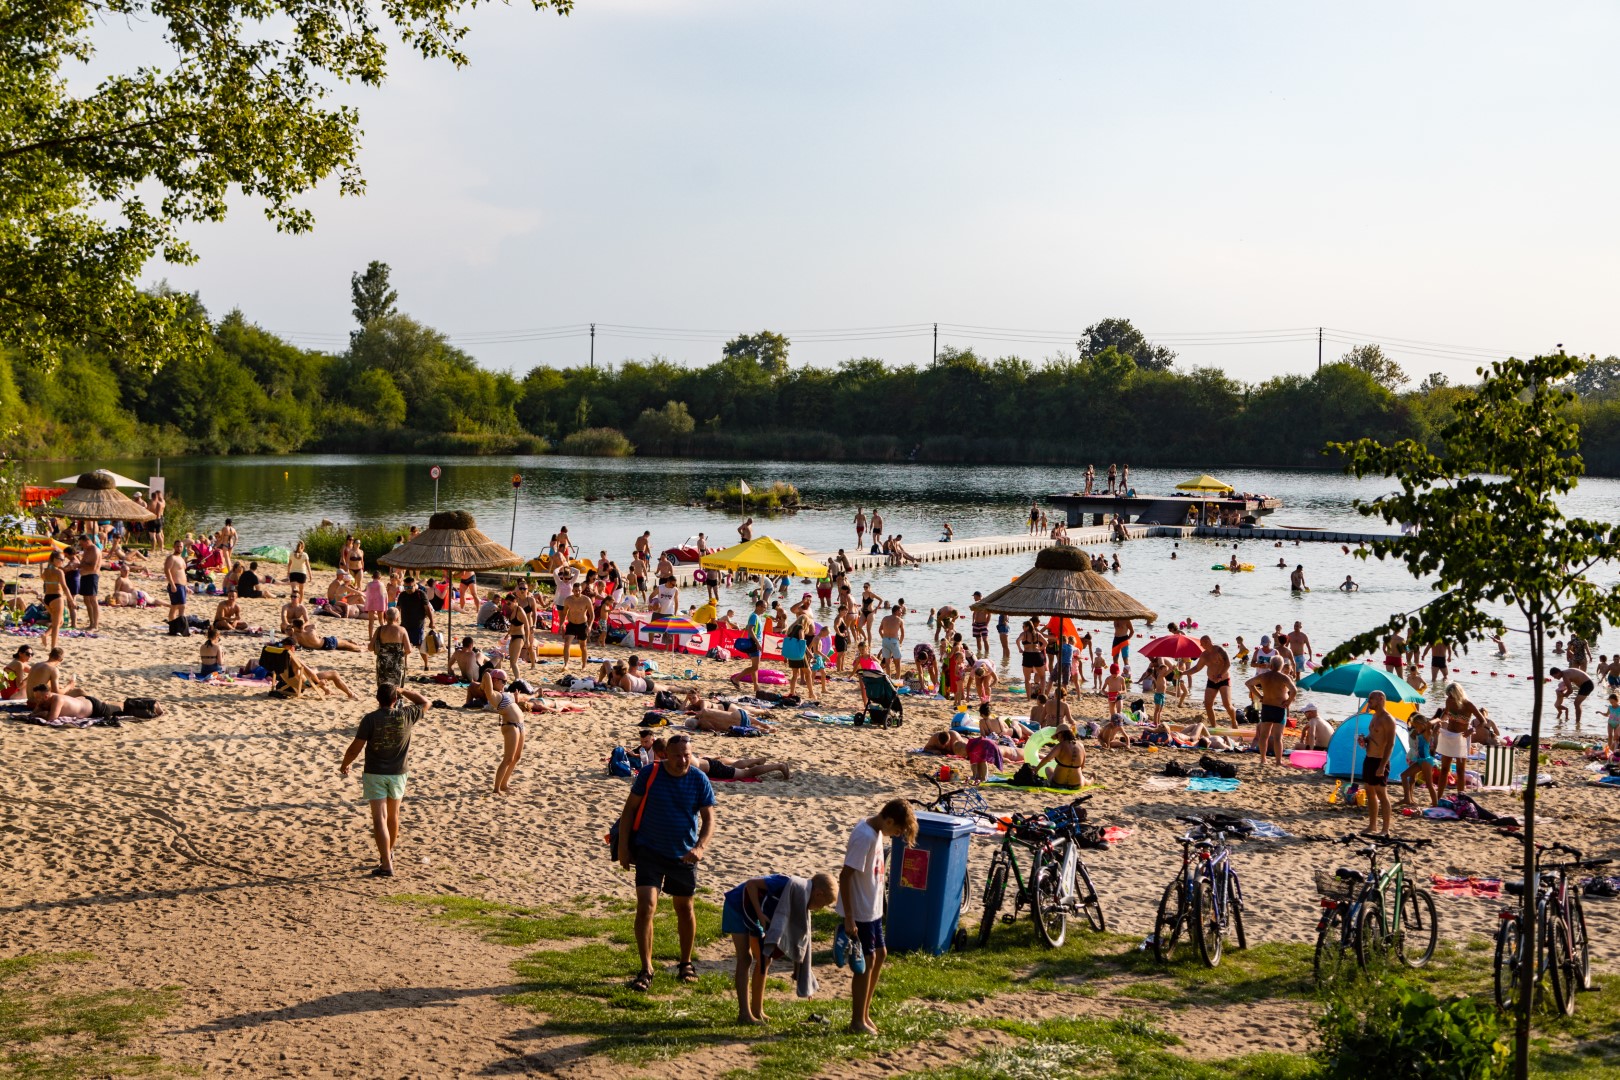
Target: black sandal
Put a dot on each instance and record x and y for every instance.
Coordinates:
(686, 972)
(642, 982)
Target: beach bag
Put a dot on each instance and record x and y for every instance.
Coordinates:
(619, 763)
(613, 830)
(496, 621)
(616, 635)
(654, 719)
(1224, 770)
(1174, 768)
(666, 699)
(142, 708)
(521, 686)
(715, 653)
(746, 645)
(36, 613)
(432, 643)
(178, 627)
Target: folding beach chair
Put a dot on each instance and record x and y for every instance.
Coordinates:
(1498, 771)
(884, 704)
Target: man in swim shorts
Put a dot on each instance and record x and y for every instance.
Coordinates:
(174, 573)
(1217, 666)
(385, 736)
(1380, 745)
(1573, 682)
(892, 632)
(1275, 691)
(1299, 645)
(981, 630)
(1121, 649)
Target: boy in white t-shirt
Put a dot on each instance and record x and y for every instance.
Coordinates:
(860, 900)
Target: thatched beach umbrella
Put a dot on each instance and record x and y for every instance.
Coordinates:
(95, 497)
(1064, 584)
(450, 542)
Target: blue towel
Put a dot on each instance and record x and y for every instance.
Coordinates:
(1212, 783)
(1264, 830)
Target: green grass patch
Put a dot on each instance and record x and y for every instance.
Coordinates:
(50, 1035)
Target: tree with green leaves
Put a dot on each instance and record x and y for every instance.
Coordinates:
(373, 296)
(767, 348)
(98, 180)
(1371, 359)
(1434, 380)
(1122, 335)
(1598, 380)
(1490, 532)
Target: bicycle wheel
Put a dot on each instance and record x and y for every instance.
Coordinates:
(1372, 933)
(1583, 944)
(1170, 929)
(1234, 904)
(1046, 905)
(1510, 953)
(995, 887)
(1332, 947)
(1562, 965)
(1206, 922)
(1419, 930)
(1090, 902)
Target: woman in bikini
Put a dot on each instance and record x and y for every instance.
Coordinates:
(210, 656)
(1456, 717)
(1032, 649)
(54, 584)
(1068, 756)
(298, 571)
(510, 711)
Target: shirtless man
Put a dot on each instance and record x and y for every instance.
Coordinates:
(1121, 648)
(90, 580)
(292, 610)
(860, 529)
(1299, 643)
(946, 743)
(465, 661)
(1574, 683)
(1394, 648)
(303, 675)
(1275, 691)
(1217, 667)
(945, 622)
(578, 616)
(307, 638)
(41, 680)
(174, 574)
(227, 536)
(1296, 580)
(1380, 745)
(722, 718)
(54, 706)
(343, 599)
(745, 531)
(1439, 661)
(228, 615)
(719, 768)
(981, 631)
(892, 632)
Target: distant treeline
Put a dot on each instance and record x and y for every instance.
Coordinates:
(400, 386)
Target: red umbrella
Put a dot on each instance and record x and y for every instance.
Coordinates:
(1173, 646)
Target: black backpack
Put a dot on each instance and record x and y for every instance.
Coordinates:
(1026, 776)
(666, 699)
(1223, 769)
(178, 627)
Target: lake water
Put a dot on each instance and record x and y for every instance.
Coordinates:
(272, 498)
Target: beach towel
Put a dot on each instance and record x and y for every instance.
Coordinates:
(847, 719)
(1608, 781)
(1004, 782)
(1164, 783)
(1440, 813)
(1475, 887)
(734, 779)
(1265, 830)
(1115, 833)
(1212, 783)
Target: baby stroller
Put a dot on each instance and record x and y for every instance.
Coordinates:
(884, 705)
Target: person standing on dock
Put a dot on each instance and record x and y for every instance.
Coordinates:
(1091, 478)
(1124, 479)
(1113, 475)
(877, 523)
(860, 529)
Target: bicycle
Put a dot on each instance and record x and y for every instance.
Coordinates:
(1204, 896)
(1354, 913)
(1563, 952)
(1058, 885)
(964, 801)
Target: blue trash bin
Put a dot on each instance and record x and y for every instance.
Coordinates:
(925, 884)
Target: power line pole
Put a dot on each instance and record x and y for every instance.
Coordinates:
(936, 343)
(1318, 348)
(593, 345)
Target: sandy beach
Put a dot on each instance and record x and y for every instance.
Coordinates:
(217, 850)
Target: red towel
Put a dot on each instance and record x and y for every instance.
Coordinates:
(1482, 888)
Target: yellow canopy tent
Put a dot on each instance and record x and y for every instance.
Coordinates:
(765, 555)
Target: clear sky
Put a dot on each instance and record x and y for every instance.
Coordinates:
(1410, 173)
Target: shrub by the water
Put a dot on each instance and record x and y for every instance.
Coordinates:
(597, 442)
(778, 496)
(1399, 1028)
(325, 542)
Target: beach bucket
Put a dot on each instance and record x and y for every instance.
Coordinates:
(1308, 759)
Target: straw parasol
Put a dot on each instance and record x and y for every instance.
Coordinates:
(1064, 584)
(118, 479)
(450, 542)
(95, 497)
